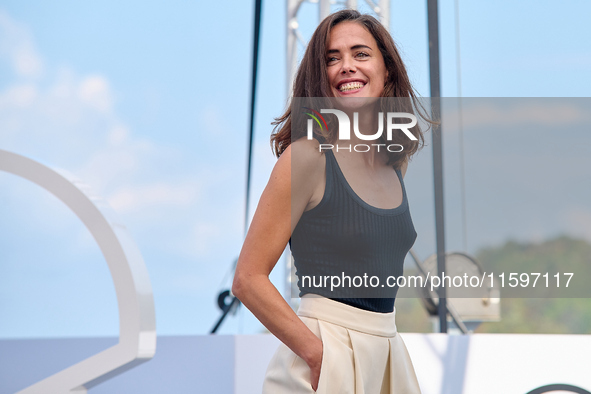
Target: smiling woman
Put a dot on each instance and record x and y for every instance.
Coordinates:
(343, 214)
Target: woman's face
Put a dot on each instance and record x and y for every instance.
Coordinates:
(355, 64)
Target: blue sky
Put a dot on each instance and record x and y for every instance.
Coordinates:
(148, 103)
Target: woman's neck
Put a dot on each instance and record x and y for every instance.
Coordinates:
(366, 122)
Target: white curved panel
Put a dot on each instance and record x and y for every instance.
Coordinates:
(137, 322)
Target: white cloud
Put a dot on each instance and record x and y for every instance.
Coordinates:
(118, 135)
(21, 96)
(62, 113)
(131, 198)
(16, 43)
(96, 93)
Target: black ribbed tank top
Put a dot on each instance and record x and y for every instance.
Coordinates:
(346, 237)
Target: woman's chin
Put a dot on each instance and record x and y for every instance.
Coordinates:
(353, 102)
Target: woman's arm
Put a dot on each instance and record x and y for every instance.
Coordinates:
(278, 211)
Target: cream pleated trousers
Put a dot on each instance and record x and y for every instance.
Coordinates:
(362, 354)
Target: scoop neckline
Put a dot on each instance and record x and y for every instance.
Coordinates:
(382, 211)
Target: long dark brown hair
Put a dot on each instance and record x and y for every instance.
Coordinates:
(312, 81)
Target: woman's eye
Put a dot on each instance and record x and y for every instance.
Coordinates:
(331, 59)
(362, 54)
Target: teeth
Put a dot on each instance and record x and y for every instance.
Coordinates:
(350, 86)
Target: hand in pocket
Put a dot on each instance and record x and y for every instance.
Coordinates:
(315, 365)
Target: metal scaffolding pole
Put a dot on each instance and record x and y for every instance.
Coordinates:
(433, 24)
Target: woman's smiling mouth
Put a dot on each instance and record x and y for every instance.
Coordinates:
(349, 87)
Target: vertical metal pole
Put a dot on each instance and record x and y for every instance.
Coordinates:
(292, 42)
(324, 10)
(253, 91)
(384, 13)
(433, 24)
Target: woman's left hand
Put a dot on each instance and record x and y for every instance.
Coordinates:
(314, 361)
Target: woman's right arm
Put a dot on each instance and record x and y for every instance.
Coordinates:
(279, 209)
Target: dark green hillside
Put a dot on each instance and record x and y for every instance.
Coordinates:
(562, 254)
(526, 315)
(539, 315)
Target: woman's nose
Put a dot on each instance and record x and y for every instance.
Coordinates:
(348, 65)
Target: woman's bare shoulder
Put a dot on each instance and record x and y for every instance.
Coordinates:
(307, 166)
(305, 157)
(300, 163)
(304, 151)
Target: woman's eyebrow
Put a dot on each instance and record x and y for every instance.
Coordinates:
(354, 47)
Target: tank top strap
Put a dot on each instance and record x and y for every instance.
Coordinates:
(330, 161)
(332, 169)
(329, 183)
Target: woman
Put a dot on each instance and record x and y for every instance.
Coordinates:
(338, 343)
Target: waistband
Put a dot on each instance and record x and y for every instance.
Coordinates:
(374, 323)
